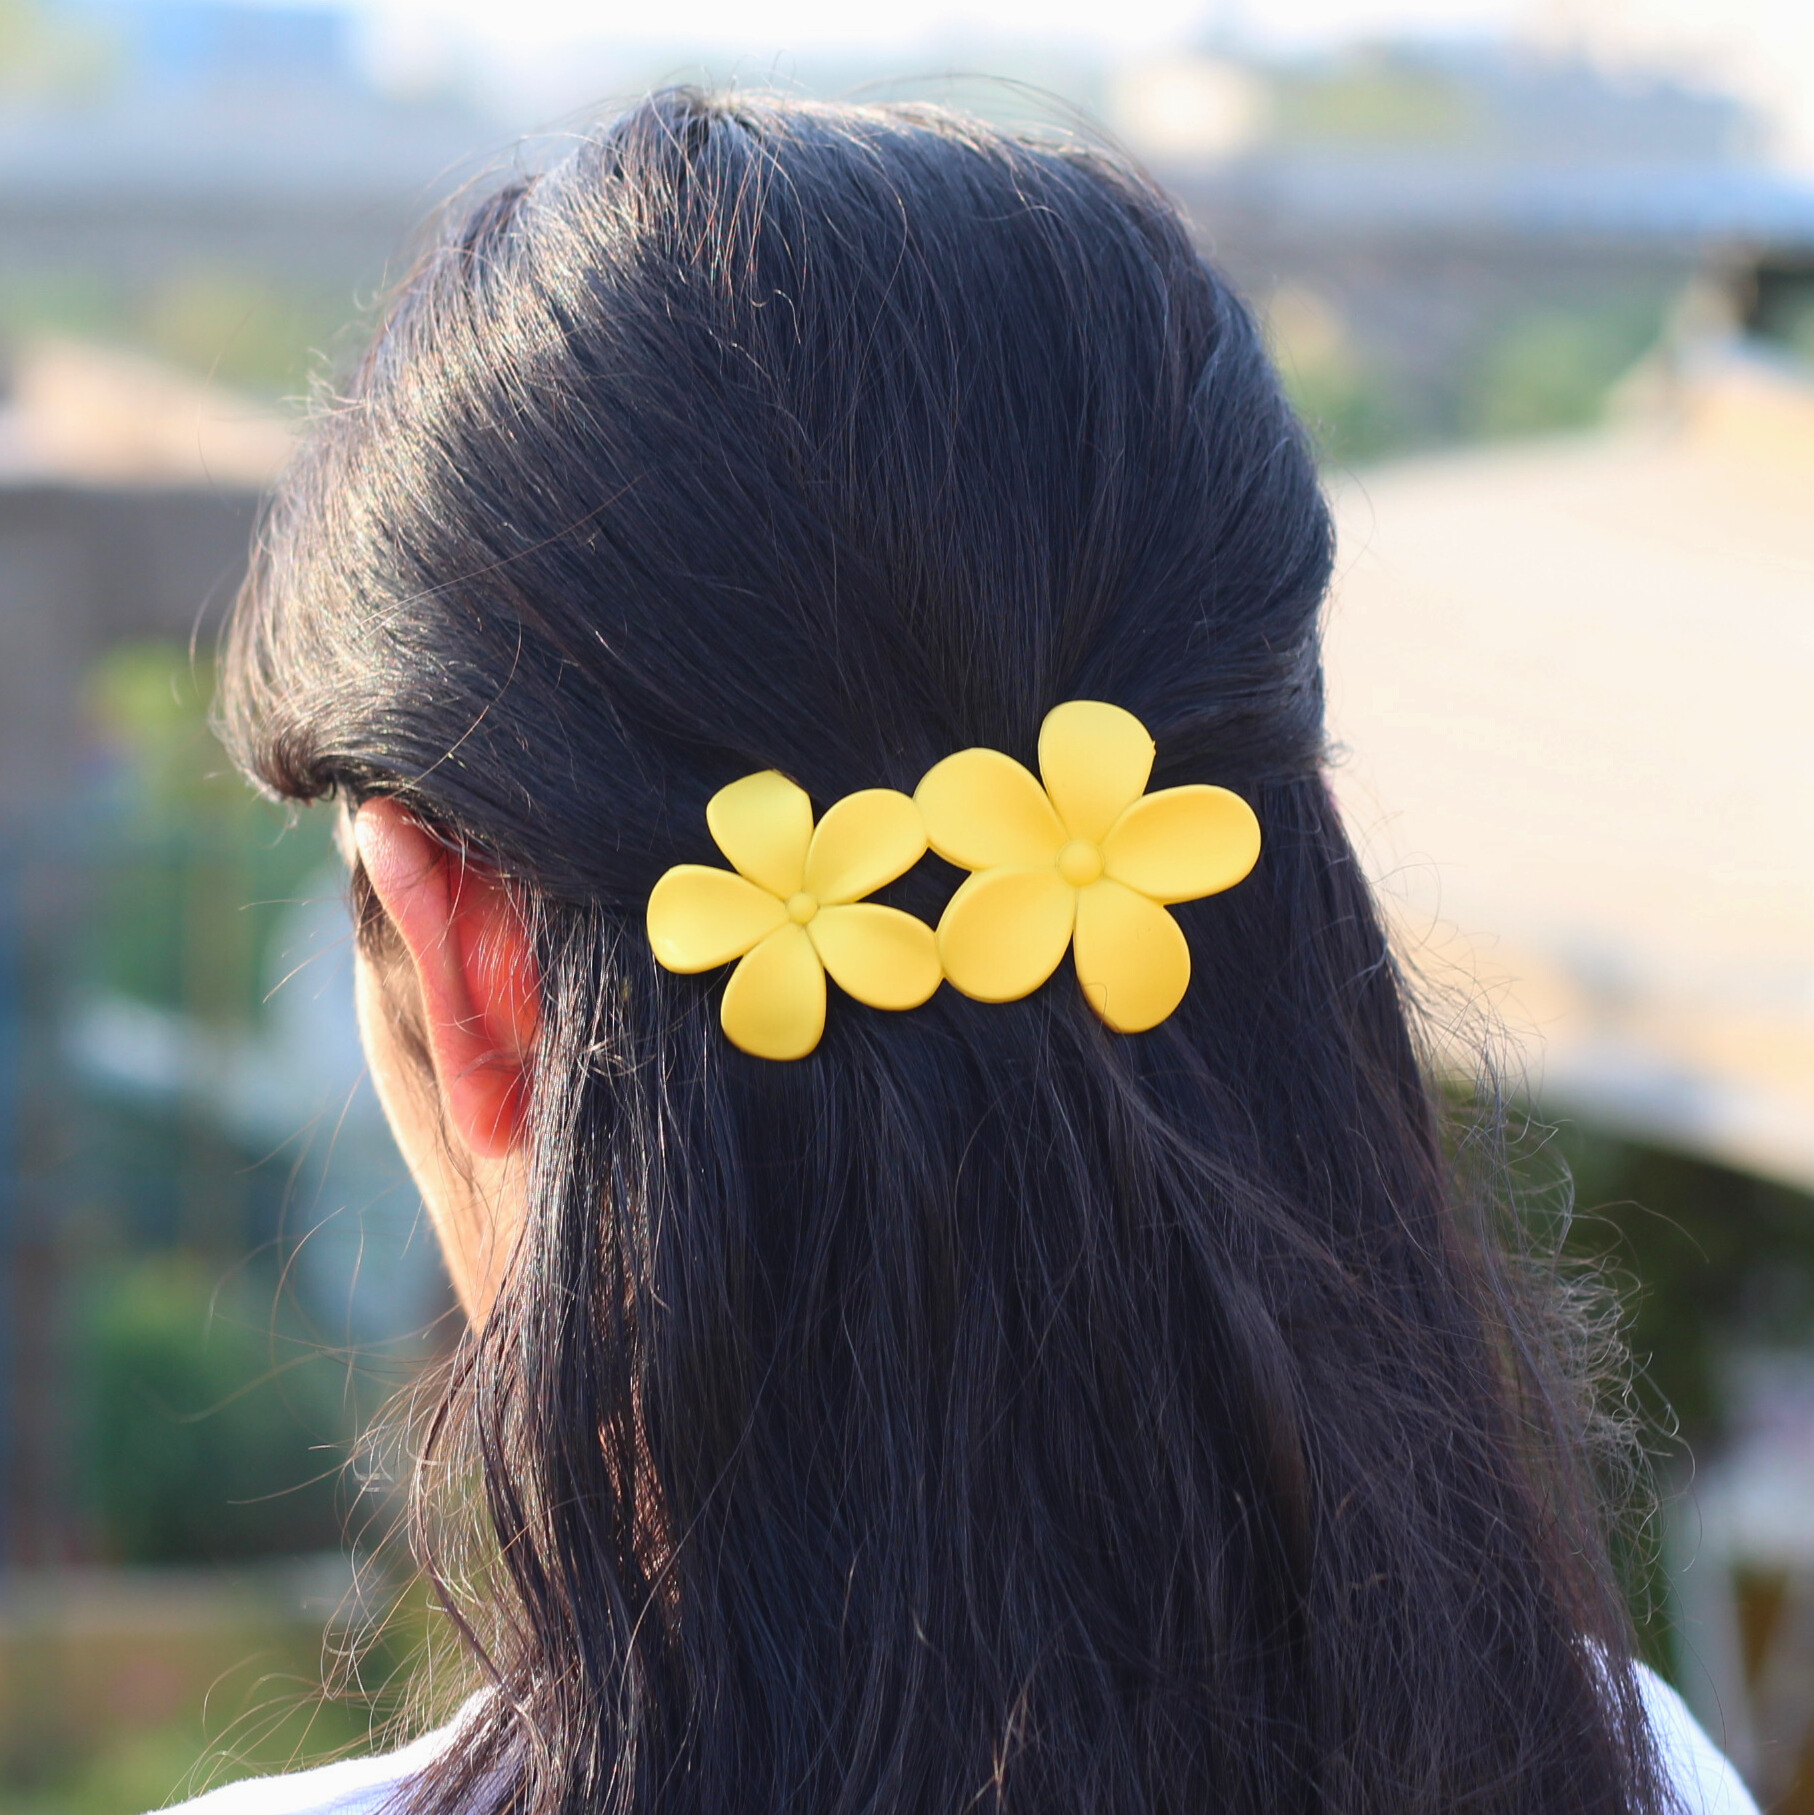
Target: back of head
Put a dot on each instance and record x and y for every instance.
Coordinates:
(989, 1407)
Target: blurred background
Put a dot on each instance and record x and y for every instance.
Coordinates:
(1540, 274)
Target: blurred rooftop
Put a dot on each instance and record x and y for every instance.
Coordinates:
(1572, 684)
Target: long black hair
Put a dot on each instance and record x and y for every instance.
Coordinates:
(989, 1410)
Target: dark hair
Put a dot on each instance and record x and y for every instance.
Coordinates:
(988, 1409)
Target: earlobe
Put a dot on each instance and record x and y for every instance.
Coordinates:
(475, 968)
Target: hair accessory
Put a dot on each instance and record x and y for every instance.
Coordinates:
(1088, 860)
(794, 910)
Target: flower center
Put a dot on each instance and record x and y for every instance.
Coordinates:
(802, 907)
(1079, 862)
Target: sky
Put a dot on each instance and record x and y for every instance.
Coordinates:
(811, 25)
(1761, 50)
(1685, 29)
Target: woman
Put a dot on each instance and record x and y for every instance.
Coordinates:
(989, 1381)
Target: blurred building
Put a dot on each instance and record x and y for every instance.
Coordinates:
(1570, 683)
(1451, 244)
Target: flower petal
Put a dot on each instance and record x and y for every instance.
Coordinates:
(1131, 956)
(763, 824)
(877, 954)
(1095, 759)
(774, 1004)
(700, 917)
(983, 809)
(1003, 932)
(1183, 842)
(864, 842)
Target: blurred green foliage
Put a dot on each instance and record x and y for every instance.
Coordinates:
(1707, 1263)
(238, 326)
(211, 1422)
(1373, 98)
(234, 323)
(1686, 1266)
(1352, 417)
(149, 700)
(1715, 1262)
(260, 1682)
(1539, 371)
(45, 55)
(212, 1428)
(207, 1678)
(198, 868)
(1798, 332)
(1781, 311)
(1553, 369)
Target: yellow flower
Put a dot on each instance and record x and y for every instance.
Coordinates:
(1086, 861)
(793, 910)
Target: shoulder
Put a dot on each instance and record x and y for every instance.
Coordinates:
(1694, 1767)
(355, 1786)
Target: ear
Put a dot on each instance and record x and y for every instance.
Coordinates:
(481, 996)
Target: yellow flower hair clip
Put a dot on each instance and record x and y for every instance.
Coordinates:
(793, 910)
(1088, 860)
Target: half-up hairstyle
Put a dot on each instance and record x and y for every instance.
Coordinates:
(988, 1411)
